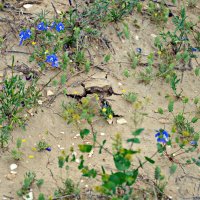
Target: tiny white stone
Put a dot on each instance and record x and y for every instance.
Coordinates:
(86, 186)
(40, 102)
(77, 135)
(121, 121)
(82, 180)
(58, 146)
(62, 148)
(62, 132)
(102, 134)
(13, 172)
(77, 160)
(110, 121)
(13, 167)
(153, 35)
(120, 84)
(137, 37)
(50, 93)
(72, 144)
(27, 6)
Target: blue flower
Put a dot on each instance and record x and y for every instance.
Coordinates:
(48, 149)
(41, 26)
(52, 59)
(24, 35)
(53, 24)
(162, 136)
(60, 27)
(193, 143)
(139, 50)
(194, 49)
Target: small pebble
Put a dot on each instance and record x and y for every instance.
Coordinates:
(13, 167)
(50, 93)
(40, 102)
(153, 35)
(27, 6)
(137, 37)
(121, 121)
(102, 134)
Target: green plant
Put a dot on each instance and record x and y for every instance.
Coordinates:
(130, 97)
(147, 75)
(107, 111)
(16, 153)
(192, 3)
(134, 59)
(159, 12)
(69, 189)
(86, 109)
(42, 145)
(173, 83)
(29, 178)
(15, 98)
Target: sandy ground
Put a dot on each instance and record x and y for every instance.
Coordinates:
(183, 185)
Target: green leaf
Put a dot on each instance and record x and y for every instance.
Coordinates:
(149, 160)
(157, 173)
(19, 142)
(89, 173)
(84, 133)
(194, 119)
(131, 177)
(40, 182)
(107, 58)
(173, 168)
(85, 148)
(134, 140)
(118, 178)
(61, 161)
(171, 106)
(160, 111)
(63, 79)
(101, 147)
(160, 148)
(41, 197)
(137, 132)
(197, 71)
(121, 162)
(197, 162)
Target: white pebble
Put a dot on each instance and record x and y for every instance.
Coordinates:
(13, 167)
(27, 6)
(137, 37)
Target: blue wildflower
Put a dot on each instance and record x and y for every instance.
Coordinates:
(52, 59)
(53, 24)
(193, 143)
(60, 27)
(41, 26)
(24, 35)
(139, 50)
(194, 49)
(162, 136)
(48, 149)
